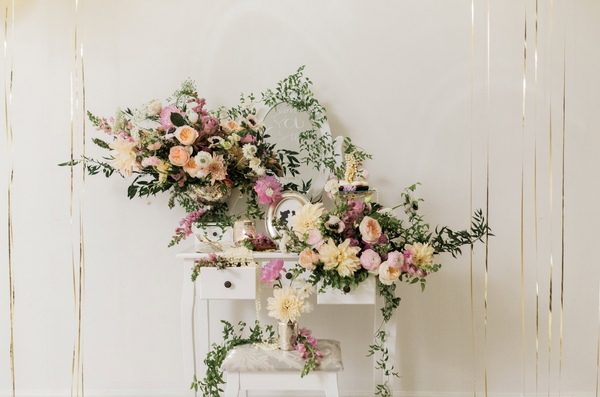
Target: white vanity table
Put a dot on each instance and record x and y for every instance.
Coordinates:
(240, 283)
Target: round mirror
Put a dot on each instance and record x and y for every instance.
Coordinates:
(284, 124)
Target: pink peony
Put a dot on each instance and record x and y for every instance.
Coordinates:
(268, 190)
(272, 271)
(151, 162)
(308, 259)
(370, 230)
(396, 259)
(370, 260)
(210, 125)
(165, 116)
(315, 238)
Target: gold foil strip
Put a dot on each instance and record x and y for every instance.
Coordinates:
(537, 289)
(471, 193)
(523, 195)
(562, 213)
(10, 148)
(551, 209)
(487, 204)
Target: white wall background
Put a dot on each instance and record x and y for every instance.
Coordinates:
(396, 77)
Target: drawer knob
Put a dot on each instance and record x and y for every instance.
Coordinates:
(227, 284)
(288, 276)
(347, 289)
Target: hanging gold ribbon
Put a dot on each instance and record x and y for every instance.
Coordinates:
(10, 148)
(487, 202)
(562, 215)
(523, 195)
(79, 273)
(551, 211)
(537, 289)
(471, 193)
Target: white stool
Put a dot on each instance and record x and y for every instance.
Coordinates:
(249, 367)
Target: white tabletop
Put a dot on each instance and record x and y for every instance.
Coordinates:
(190, 253)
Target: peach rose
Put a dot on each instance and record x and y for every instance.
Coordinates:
(179, 156)
(191, 167)
(186, 135)
(308, 259)
(370, 230)
(231, 126)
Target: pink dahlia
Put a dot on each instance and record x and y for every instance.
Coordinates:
(268, 190)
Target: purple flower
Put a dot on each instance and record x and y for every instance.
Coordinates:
(272, 271)
(210, 125)
(165, 116)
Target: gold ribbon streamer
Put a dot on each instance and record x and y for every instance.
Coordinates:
(471, 193)
(537, 289)
(10, 148)
(551, 210)
(562, 213)
(522, 194)
(487, 202)
(78, 287)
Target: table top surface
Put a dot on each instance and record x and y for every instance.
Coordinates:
(190, 253)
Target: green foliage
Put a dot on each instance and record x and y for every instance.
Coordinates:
(210, 386)
(92, 166)
(101, 143)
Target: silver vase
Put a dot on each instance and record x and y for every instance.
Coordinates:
(209, 195)
(287, 334)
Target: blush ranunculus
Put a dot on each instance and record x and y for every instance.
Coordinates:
(388, 274)
(308, 259)
(370, 260)
(210, 124)
(395, 259)
(315, 238)
(186, 135)
(370, 230)
(178, 156)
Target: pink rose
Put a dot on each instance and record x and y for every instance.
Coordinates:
(308, 259)
(370, 260)
(179, 156)
(315, 238)
(370, 230)
(210, 124)
(165, 116)
(395, 259)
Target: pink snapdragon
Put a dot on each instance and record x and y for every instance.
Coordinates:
(248, 139)
(272, 271)
(409, 257)
(185, 226)
(268, 190)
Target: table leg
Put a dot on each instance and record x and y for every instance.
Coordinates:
(187, 326)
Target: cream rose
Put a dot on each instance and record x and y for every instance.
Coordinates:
(388, 274)
(186, 135)
(370, 230)
(178, 156)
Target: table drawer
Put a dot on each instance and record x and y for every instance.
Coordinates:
(364, 294)
(230, 283)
